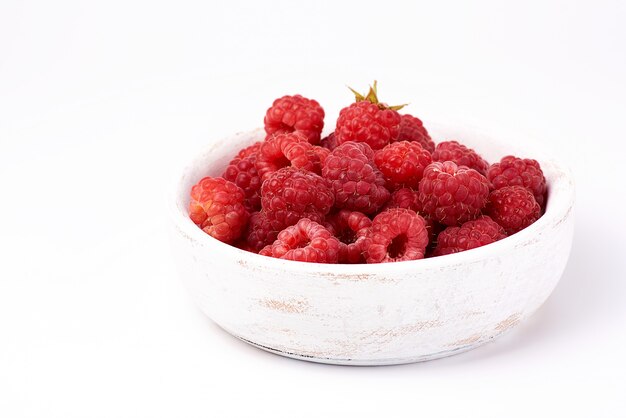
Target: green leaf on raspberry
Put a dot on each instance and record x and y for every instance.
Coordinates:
(372, 97)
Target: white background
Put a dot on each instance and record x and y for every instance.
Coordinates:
(101, 100)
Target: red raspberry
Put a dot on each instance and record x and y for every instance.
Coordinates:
(356, 182)
(349, 228)
(513, 207)
(402, 163)
(242, 244)
(242, 172)
(452, 194)
(330, 142)
(287, 150)
(291, 194)
(260, 232)
(217, 207)
(322, 154)
(409, 199)
(248, 151)
(412, 130)
(471, 234)
(305, 241)
(405, 198)
(295, 113)
(513, 171)
(367, 122)
(395, 235)
(460, 155)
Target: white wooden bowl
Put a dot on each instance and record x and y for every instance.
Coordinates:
(383, 313)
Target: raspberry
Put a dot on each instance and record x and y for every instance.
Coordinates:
(471, 234)
(405, 198)
(260, 231)
(217, 207)
(460, 155)
(291, 194)
(322, 154)
(329, 142)
(356, 182)
(242, 172)
(287, 150)
(248, 151)
(305, 241)
(349, 228)
(295, 113)
(409, 199)
(395, 235)
(513, 171)
(402, 163)
(452, 194)
(242, 244)
(513, 207)
(412, 130)
(367, 122)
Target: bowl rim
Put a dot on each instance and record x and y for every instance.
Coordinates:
(559, 205)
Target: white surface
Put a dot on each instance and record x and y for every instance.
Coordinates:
(383, 314)
(99, 99)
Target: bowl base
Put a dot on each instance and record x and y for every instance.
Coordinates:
(364, 362)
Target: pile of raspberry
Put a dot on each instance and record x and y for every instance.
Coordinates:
(377, 189)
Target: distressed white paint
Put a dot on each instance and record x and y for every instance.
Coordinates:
(375, 314)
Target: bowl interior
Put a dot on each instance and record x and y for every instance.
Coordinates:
(213, 160)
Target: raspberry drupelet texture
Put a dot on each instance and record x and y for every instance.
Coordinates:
(412, 130)
(407, 198)
(460, 155)
(242, 172)
(395, 235)
(305, 241)
(260, 232)
(295, 113)
(217, 207)
(451, 194)
(329, 142)
(356, 182)
(349, 227)
(291, 194)
(367, 122)
(250, 150)
(322, 154)
(287, 150)
(514, 171)
(513, 207)
(402, 163)
(471, 234)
